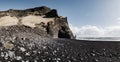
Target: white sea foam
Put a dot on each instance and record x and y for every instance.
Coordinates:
(100, 38)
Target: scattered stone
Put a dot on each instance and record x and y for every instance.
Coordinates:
(11, 54)
(8, 45)
(27, 54)
(22, 49)
(18, 57)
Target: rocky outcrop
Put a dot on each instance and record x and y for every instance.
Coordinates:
(43, 18)
(38, 11)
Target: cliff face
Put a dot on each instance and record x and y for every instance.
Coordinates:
(43, 18)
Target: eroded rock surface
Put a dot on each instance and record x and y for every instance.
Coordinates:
(43, 17)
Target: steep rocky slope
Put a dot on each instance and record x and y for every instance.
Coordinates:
(41, 17)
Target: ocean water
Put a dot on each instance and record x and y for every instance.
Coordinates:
(100, 38)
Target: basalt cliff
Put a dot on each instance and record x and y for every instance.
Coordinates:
(43, 18)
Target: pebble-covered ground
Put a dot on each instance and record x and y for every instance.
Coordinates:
(31, 47)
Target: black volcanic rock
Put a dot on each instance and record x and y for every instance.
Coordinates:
(59, 29)
(10, 30)
(52, 13)
(32, 11)
(39, 10)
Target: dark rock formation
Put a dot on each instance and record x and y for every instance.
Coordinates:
(52, 13)
(11, 30)
(32, 11)
(57, 28)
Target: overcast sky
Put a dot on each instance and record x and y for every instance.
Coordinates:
(86, 17)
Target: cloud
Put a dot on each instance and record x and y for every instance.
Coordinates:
(118, 18)
(95, 31)
(113, 31)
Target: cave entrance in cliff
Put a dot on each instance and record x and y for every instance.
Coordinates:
(62, 33)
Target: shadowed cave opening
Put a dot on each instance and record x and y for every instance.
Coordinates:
(62, 33)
